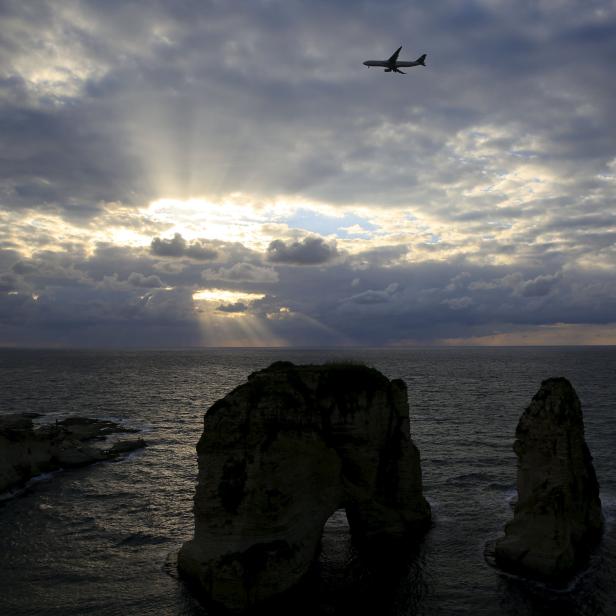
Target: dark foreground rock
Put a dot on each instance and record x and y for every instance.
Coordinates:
(557, 518)
(278, 456)
(27, 451)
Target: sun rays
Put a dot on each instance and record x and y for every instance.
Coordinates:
(225, 320)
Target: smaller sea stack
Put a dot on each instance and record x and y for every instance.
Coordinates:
(557, 518)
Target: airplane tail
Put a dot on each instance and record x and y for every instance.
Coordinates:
(421, 60)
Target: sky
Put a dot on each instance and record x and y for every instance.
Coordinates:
(228, 173)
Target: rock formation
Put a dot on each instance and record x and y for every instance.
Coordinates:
(558, 514)
(26, 451)
(278, 456)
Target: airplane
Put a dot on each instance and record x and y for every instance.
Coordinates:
(393, 65)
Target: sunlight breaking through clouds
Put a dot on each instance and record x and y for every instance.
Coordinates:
(224, 296)
(254, 222)
(136, 172)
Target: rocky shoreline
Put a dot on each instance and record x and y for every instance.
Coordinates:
(28, 450)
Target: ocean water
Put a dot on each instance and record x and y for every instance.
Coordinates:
(101, 539)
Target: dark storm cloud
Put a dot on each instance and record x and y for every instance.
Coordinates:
(174, 247)
(177, 246)
(61, 299)
(434, 300)
(309, 251)
(116, 296)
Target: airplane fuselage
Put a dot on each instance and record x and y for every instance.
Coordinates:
(393, 65)
(386, 64)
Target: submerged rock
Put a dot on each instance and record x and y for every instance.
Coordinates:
(558, 516)
(281, 453)
(27, 451)
(86, 428)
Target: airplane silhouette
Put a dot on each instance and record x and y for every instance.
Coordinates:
(392, 65)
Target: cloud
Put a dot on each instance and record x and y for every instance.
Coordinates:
(109, 292)
(540, 285)
(491, 211)
(380, 255)
(8, 283)
(309, 251)
(375, 297)
(458, 303)
(242, 272)
(236, 307)
(177, 246)
(23, 268)
(139, 280)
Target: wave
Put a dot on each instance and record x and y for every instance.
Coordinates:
(18, 491)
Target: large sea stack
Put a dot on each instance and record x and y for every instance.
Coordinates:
(557, 518)
(279, 455)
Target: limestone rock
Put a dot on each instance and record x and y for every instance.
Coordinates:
(558, 515)
(27, 451)
(122, 447)
(281, 453)
(23, 453)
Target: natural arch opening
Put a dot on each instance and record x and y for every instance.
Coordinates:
(336, 553)
(336, 536)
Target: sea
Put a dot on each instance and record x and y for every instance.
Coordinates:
(102, 540)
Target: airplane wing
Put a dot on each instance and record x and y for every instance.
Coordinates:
(395, 55)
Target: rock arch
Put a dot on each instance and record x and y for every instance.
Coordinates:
(278, 456)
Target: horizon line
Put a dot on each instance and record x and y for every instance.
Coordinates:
(303, 348)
